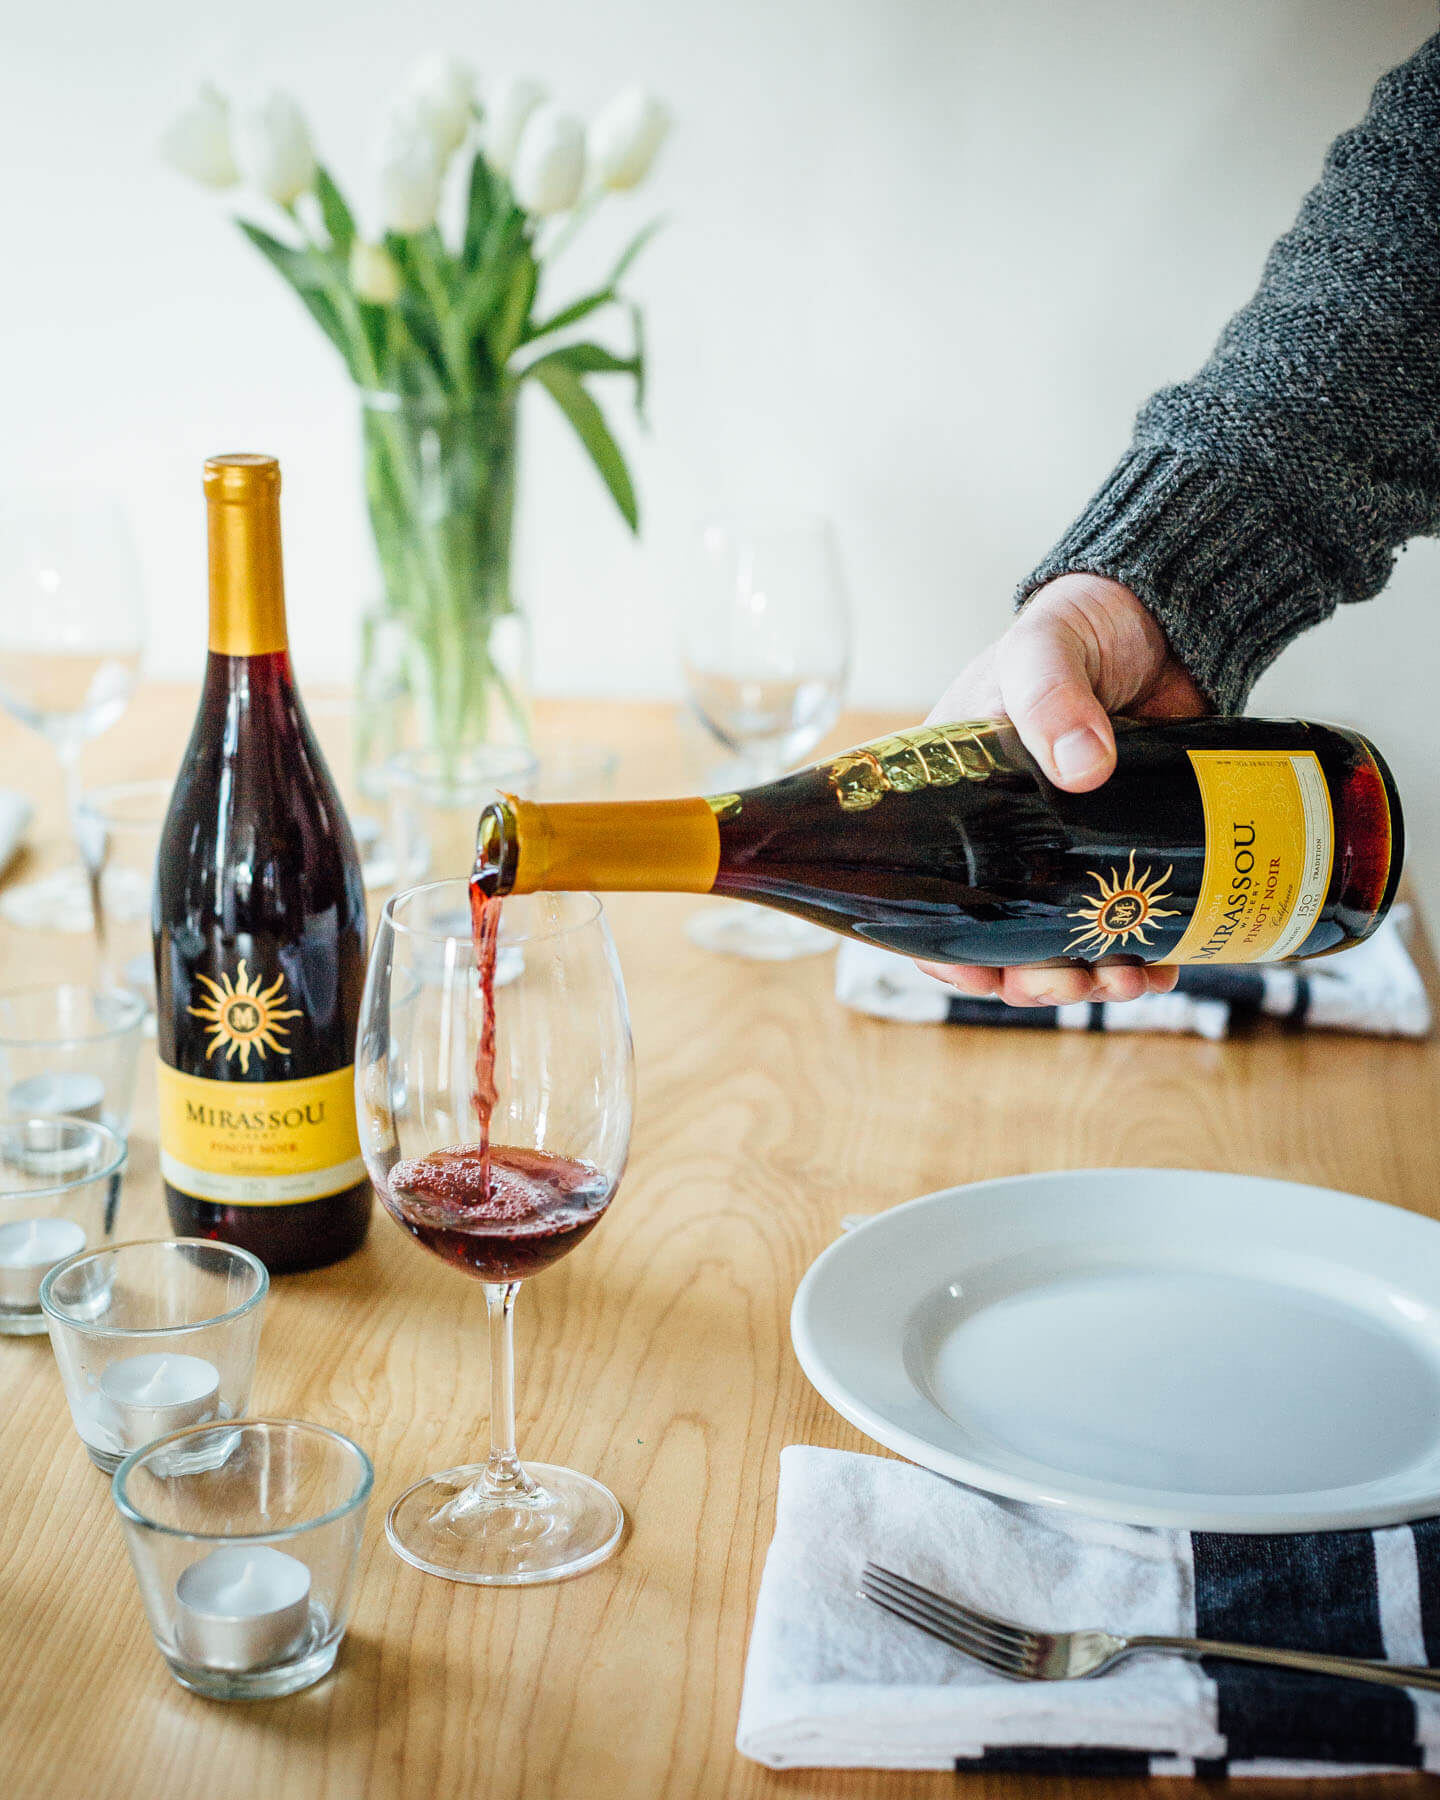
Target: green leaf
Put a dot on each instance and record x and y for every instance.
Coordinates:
(300, 268)
(587, 359)
(509, 328)
(637, 323)
(589, 422)
(310, 279)
(636, 245)
(374, 322)
(479, 210)
(606, 296)
(416, 308)
(572, 314)
(339, 221)
(503, 235)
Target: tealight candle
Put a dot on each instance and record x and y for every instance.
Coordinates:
(242, 1607)
(29, 1249)
(68, 1091)
(44, 1143)
(153, 1395)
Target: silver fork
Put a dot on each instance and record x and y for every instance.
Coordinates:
(1025, 1655)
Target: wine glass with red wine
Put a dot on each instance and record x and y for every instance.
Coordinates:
(494, 1082)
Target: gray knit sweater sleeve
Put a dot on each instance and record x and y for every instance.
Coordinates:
(1282, 479)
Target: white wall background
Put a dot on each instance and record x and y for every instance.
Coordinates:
(925, 258)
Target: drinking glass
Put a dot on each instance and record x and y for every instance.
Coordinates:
(556, 1057)
(118, 828)
(59, 1194)
(765, 645)
(72, 624)
(71, 1051)
(152, 1336)
(245, 1539)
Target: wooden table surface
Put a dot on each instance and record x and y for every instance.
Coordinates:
(658, 1358)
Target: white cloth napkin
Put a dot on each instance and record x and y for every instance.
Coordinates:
(832, 1681)
(1374, 988)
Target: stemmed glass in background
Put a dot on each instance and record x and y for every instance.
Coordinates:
(559, 1136)
(72, 625)
(118, 828)
(765, 644)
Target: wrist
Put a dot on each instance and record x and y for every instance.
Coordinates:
(1199, 546)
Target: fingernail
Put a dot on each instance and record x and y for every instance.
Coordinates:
(1078, 753)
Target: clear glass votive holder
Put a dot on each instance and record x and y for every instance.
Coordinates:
(72, 1050)
(435, 803)
(118, 829)
(246, 1556)
(152, 1336)
(60, 1185)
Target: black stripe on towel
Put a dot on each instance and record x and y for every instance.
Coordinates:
(962, 1009)
(1306, 1591)
(1426, 1533)
(1241, 987)
(1016, 1760)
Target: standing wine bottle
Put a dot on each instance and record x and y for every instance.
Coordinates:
(1215, 841)
(259, 929)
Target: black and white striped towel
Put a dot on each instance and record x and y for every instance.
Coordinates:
(833, 1682)
(1374, 988)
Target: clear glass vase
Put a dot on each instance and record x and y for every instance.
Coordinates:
(440, 485)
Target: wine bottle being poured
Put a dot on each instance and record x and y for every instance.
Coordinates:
(1216, 840)
(259, 929)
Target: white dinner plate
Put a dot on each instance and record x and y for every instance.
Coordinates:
(1154, 1346)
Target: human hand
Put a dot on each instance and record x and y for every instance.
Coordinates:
(1083, 648)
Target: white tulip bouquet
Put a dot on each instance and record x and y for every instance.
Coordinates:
(440, 330)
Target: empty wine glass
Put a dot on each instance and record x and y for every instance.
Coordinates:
(765, 645)
(72, 625)
(503, 1199)
(118, 826)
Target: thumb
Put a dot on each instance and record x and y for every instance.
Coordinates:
(1046, 686)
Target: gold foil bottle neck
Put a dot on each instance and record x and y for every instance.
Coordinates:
(247, 579)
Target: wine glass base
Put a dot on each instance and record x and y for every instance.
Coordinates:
(446, 1526)
(735, 928)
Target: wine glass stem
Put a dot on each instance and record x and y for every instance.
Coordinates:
(503, 1473)
(69, 755)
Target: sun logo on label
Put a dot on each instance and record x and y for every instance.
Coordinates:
(1121, 910)
(240, 1017)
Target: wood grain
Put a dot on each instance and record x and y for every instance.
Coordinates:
(658, 1357)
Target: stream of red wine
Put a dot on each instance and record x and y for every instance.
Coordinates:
(485, 931)
(498, 1211)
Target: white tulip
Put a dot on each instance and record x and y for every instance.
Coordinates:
(410, 174)
(442, 88)
(276, 154)
(625, 137)
(549, 162)
(197, 142)
(373, 273)
(508, 107)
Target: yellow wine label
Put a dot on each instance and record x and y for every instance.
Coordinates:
(1269, 849)
(259, 1143)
